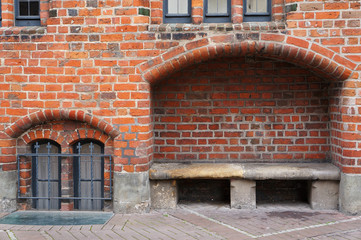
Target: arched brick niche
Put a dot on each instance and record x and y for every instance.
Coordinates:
(243, 109)
(65, 134)
(25, 123)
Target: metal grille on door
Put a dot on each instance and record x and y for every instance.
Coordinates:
(89, 176)
(87, 189)
(46, 175)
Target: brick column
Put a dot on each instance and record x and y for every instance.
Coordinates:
(133, 147)
(237, 11)
(8, 16)
(197, 11)
(347, 146)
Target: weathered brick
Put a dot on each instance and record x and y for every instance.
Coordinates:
(311, 6)
(204, 123)
(204, 86)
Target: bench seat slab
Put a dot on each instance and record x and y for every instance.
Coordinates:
(251, 171)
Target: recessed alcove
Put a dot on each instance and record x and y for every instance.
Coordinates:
(203, 191)
(281, 191)
(242, 109)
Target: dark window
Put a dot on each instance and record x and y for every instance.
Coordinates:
(88, 172)
(177, 11)
(46, 183)
(27, 12)
(257, 10)
(216, 11)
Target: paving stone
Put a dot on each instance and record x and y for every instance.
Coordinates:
(60, 235)
(5, 226)
(130, 234)
(205, 222)
(210, 226)
(28, 235)
(106, 234)
(3, 235)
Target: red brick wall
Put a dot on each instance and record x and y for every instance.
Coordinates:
(102, 57)
(335, 24)
(242, 109)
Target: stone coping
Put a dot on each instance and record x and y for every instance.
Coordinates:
(225, 27)
(25, 30)
(254, 171)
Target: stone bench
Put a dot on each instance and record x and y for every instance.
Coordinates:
(322, 193)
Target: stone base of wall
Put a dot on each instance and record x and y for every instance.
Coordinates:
(131, 193)
(8, 183)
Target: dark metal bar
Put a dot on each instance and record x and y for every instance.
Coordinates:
(37, 146)
(45, 180)
(18, 158)
(110, 176)
(68, 198)
(89, 180)
(62, 155)
(59, 177)
(91, 173)
(79, 173)
(48, 147)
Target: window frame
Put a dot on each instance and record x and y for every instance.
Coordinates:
(22, 21)
(177, 18)
(257, 17)
(217, 18)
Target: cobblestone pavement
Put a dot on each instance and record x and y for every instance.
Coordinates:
(200, 221)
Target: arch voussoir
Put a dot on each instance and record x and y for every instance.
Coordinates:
(276, 46)
(40, 117)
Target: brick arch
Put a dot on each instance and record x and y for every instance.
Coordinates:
(35, 135)
(40, 117)
(298, 51)
(67, 140)
(91, 134)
